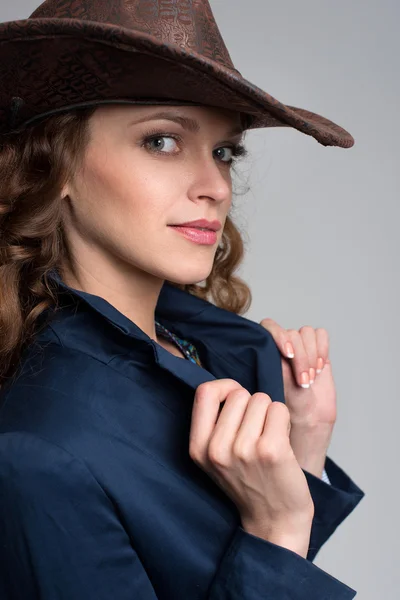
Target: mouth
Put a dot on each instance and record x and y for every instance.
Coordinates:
(198, 235)
(192, 227)
(201, 225)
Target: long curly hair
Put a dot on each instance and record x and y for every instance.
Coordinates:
(35, 164)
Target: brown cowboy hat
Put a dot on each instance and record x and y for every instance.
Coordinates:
(74, 53)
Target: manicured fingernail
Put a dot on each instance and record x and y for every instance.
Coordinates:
(289, 350)
(312, 375)
(305, 380)
(320, 365)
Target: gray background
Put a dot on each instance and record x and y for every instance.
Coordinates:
(321, 230)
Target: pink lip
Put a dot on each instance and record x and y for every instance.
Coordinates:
(197, 236)
(212, 225)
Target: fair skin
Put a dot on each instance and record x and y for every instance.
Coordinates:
(119, 205)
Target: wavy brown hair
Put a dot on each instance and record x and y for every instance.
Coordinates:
(35, 164)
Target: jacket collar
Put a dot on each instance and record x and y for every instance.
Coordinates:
(233, 345)
(174, 307)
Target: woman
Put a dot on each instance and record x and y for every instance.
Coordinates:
(153, 444)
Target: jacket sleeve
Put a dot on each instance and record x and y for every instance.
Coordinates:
(333, 502)
(255, 569)
(59, 533)
(61, 538)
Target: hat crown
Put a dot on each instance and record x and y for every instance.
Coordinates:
(189, 24)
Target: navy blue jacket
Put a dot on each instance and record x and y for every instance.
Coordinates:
(99, 496)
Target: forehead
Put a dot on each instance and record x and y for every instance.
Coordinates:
(189, 117)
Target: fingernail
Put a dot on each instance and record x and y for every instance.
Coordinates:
(320, 365)
(312, 375)
(289, 350)
(305, 380)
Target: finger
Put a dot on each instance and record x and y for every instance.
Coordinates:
(280, 336)
(300, 364)
(275, 436)
(322, 347)
(206, 407)
(252, 424)
(309, 338)
(224, 434)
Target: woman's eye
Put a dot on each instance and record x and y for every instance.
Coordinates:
(163, 144)
(163, 147)
(223, 153)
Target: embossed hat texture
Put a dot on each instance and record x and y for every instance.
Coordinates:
(75, 53)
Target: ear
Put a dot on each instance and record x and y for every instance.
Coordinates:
(65, 191)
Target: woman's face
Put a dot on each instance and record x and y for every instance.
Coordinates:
(131, 187)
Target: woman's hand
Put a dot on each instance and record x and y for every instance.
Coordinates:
(312, 410)
(245, 448)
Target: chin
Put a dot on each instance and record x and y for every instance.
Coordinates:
(188, 276)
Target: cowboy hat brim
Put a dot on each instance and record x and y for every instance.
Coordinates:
(54, 65)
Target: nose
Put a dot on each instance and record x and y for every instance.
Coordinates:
(211, 181)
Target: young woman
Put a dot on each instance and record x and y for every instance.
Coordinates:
(154, 443)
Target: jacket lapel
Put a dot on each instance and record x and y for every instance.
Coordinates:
(230, 345)
(185, 370)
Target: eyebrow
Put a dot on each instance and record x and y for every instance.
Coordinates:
(186, 122)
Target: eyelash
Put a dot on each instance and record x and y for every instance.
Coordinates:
(238, 150)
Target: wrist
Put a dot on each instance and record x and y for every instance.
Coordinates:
(310, 447)
(298, 543)
(297, 538)
(312, 464)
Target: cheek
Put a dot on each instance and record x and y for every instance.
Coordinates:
(106, 182)
(122, 198)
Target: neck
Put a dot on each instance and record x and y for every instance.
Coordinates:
(131, 291)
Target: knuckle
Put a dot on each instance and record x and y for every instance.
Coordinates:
(261, 397)
(217, 456)
(269, 454)
(280, 407)
(206, 387)
(306, 328)
(243, 451)
(276, 453)
(292, 333)
(266, 321)
(239, 392)
(322, 330)
(202, 390)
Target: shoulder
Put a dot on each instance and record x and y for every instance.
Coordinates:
(33, 469)
(56, 370)
(51, 370)
(59, 394)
